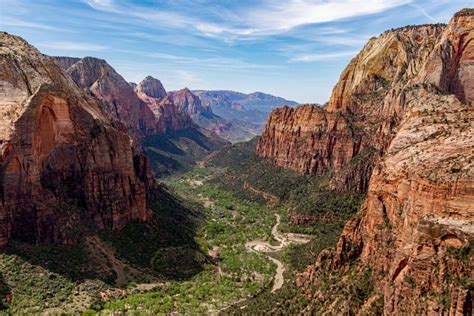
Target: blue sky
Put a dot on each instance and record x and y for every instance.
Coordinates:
(294, 48)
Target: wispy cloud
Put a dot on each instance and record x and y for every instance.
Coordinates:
(73, 46)
(322, 56)
(262, 18)
(423, 11)
(277, 17)
(101, 4)
(26, 24)
(214, 62)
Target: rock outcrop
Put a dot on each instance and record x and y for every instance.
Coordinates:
(65, 166)
(152, 88)
(187, 102)
(169, 116)
(414, 233)
(349, 135)
(96, 76)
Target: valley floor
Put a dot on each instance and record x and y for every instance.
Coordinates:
(242, 239)
(222, 242)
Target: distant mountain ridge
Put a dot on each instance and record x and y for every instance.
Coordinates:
(251, 108)
(202, 114)
(253, 101)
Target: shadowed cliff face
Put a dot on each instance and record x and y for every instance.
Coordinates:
(415, 229)
(65, 167)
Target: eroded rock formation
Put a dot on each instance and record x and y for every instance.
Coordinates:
(415, 230)
(353, 130)
(169, 116)
(96, 76)
(65, 166)
(186, 101)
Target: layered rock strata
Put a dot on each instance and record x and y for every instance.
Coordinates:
(415, 230)
(170, 117)
(65, 166)
(353, 130)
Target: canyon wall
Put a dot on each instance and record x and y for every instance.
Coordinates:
(65, 166)
(97, 77)
(415, 230)
(351, 132)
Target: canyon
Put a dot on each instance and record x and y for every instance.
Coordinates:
(120, 197)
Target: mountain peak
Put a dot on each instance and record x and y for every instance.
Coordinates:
(151, 87)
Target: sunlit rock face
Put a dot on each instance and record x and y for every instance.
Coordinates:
(353, 130)
(188, 102)
(65, 165)
(415, 230)
(170, 117)
(95, 76)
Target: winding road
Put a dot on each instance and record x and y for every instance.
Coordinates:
(284, 240)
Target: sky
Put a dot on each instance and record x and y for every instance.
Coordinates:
(294, 48)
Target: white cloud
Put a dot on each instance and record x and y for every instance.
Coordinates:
(26, 24)
(423, 11)
(293, 13)
(73, 46)
(101, 4)
(262, 18)
(322, 56)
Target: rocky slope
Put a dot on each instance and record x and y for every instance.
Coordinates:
(169, 116)
(97, 77)
(410, 250)
(65, 167)
(349, 135)
(203, 116)
(188, 102)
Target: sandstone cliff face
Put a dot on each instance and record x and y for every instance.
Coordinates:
(65, 167)
(99, 78)
(187, 102)
(152, 88)
(415, 230)
(169, 116)
(356, 126)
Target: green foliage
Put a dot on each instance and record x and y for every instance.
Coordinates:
(35, 281)
(149, 245)
(299, 257)
(464, 253)
(178, 151)
(230, 222)
(410, 281)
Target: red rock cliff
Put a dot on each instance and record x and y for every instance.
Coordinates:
(64, 166)
(169, 116)
(186, 101)
(353, 130)
(96, 76)
(415, 230)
